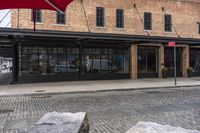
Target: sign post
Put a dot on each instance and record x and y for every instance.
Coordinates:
(173, 44)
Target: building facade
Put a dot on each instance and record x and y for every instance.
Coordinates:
(109, 39)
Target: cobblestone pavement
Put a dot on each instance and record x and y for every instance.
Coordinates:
(108, 112)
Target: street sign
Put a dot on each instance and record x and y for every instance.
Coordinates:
(172, 44)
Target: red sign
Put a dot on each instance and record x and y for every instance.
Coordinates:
(172, 44)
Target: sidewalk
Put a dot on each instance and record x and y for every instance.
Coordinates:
(93, 86)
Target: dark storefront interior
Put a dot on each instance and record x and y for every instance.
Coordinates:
(72, 62)
(169, 61)
(6, 64)
(195, 61)
(147, 62)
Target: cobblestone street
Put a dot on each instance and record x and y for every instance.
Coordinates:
(108, 112)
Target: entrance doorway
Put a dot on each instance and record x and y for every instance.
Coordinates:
(147, 62)
(6, 65)
(169, 61)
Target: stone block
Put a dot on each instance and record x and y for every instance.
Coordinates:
(61, 123)
(151, 127)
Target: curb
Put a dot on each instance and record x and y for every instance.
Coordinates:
(95, 91)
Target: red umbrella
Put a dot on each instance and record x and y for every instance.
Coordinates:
(56, 5)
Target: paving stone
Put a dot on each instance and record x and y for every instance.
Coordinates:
(109, 112)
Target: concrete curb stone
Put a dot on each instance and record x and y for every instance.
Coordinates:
(95, 91)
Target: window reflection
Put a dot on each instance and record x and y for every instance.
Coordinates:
(105, 60)
(63, 60)
(195, 60)
(52, 60)
(43, 61)
(169, 61)
(147, 59)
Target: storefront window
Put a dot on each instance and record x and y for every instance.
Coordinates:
(195, 60)
(66, 60)
(169, 61)
(43, 61)
(52, 64)
(30, 60)
(73, 61)
(105, 60)
(43, 64)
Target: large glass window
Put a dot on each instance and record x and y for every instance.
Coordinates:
(73, 60)
(65, 60)
(43, 61)
(30, 60)
(106, 60)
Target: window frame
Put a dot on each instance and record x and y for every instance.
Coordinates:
(38, 16)
(147, 21)
(59, 17)
(119, 18)
(198, 27)
(168, 22)
(100, 16)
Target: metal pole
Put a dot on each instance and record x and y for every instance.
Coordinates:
(18, 19)
(175, 81)
(34, 19)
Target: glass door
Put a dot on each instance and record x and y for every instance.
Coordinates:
(169, 61)
(147, 62)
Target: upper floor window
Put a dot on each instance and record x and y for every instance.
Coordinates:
(198, 27)
(147, 21)
(38, 16)
(120, 18)
(60, 18)
(168, 23)
(100, 16)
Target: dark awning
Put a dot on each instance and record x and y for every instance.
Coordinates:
(65, 35)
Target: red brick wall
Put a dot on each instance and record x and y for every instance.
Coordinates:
(185, 16)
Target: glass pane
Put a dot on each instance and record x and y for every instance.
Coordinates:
(152, 60)
(118, 61)
(142, 60)
(34, 61)
(43, 64)
(72, 61)
(52, 61)
(105, 63)
(61, 61)
(126, 62)
(169, 60)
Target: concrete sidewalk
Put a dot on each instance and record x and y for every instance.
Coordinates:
(93, 86)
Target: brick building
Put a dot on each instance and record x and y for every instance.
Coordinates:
(109, 39)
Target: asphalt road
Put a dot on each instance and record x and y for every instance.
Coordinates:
(108, 112)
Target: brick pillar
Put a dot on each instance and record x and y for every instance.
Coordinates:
(185, 60)
(133, 61)
(161, 59)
